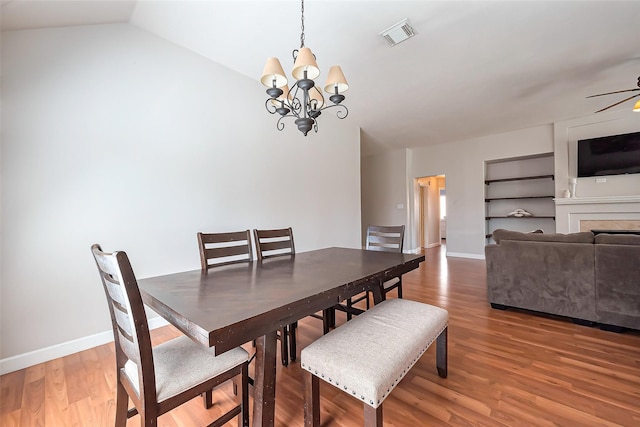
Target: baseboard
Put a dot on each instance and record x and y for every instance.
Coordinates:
(21, 361)
(463, 255)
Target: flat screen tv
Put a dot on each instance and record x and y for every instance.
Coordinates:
(609, 155)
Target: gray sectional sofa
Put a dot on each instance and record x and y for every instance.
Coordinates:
(593, 279)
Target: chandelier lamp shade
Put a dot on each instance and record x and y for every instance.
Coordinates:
(304, 101)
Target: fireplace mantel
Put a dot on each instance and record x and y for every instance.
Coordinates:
(570, 211)
(596, 200)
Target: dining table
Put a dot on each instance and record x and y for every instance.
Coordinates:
(233, 304)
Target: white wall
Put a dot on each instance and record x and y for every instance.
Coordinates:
(463, 164)
(384, 190)
(115, 136)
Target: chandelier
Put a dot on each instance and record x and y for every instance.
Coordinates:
(304, 101)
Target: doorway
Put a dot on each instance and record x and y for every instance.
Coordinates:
(432, 211)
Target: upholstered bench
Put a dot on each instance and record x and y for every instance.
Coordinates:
(369, 355)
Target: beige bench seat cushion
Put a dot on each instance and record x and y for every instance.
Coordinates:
(369, 355)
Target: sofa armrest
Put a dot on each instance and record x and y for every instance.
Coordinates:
(618, 284)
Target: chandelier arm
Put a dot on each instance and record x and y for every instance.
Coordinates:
(269, 106)
(339, 112)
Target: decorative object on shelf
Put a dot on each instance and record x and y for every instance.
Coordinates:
(519, 213)
(304, 100)
(636, 107)
(566, 194)
(573, 182)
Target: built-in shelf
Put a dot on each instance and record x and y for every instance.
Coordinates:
(519, 178)
(519, 217)
(525, 183)
(518, 198)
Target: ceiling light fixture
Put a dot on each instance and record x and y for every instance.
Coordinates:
(304, 100)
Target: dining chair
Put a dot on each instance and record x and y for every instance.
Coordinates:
(279, 242)
(273, 243)
(217, 249)
(388, 238)
(161, 378)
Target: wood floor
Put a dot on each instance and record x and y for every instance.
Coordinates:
(506, 368)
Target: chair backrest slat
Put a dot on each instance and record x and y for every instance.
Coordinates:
(385, 238)
(270, 243)
(218, 249)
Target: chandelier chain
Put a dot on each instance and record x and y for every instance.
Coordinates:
(302, 25)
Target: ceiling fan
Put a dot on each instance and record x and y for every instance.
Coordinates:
(619, 91)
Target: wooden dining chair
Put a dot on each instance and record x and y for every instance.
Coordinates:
(385, 239)
(279, 242)
(273, 243)
(217, 249)
(161, 378)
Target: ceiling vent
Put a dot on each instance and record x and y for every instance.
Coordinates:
(398, 32)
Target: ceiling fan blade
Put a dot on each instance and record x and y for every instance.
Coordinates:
(610, 93)
(617, 103)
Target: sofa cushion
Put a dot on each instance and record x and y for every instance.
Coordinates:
(618, 239)
(582, 237)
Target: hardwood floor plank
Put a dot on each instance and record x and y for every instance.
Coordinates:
(33, 397)
(506, 368)
(11, 386)
(56, 401)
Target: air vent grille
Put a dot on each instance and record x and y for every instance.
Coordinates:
(398, 33)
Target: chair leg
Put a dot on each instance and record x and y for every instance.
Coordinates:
(122, 405)
(441, 353)
(207, 399)
(292, 341)
(367, 295)
(311, 399)
(243, 419)
(349, 305)
(400, 287)
(284, 346)
(372, 416)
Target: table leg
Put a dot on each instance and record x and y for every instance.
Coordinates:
(264, 402)
(378, 295)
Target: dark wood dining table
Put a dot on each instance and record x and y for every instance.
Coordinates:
(234, 304)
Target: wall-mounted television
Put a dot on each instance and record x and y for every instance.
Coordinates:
(609, 155)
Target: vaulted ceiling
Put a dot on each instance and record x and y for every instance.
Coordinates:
(473, 69)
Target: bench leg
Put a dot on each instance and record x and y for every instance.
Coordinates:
(372, 416)
(311, 400)
(441, 353)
